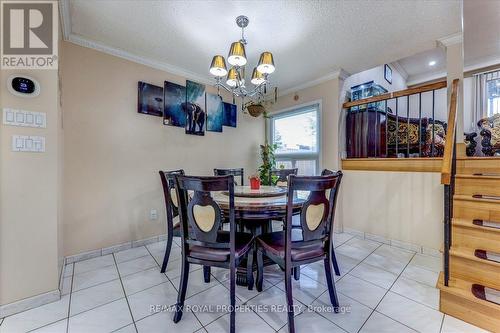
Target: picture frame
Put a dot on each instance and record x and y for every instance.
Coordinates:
(149, 99)
(388, 73)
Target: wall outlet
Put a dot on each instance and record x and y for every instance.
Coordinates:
(153, 214)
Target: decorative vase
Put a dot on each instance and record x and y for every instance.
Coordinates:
(254, 183)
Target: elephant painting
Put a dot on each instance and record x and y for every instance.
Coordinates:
(194, 107)
(195, 118)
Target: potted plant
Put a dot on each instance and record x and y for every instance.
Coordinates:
(268, 161)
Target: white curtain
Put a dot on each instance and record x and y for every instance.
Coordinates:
(480, 103)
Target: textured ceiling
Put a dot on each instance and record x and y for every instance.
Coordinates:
(309, 39)
(481, 31)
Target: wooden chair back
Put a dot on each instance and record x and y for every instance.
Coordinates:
(201, 217)
(238, 172)
(283, 175)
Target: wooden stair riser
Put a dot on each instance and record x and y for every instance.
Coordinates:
(478, 185)
(478, 165)
(476, 238)
(476, 271)
(476, 209)
(469, 311)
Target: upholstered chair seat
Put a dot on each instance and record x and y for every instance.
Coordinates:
(274, 242)
(242, 245)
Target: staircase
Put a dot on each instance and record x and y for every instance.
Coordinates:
(473, 291)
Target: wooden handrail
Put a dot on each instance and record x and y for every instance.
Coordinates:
(400, 93)
(446, 168)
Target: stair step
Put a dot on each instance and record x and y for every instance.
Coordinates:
(486, 184)
(487, 224)
(465, 264)
(476, 234)
(487, 255)
(482, 165)
(486, 196)
(468, 207)
(458, 300)
(485, 293)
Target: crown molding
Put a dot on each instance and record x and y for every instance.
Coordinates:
(85, 42)
(400, 69)
(449, 40)
(338, 74)
(65, 18)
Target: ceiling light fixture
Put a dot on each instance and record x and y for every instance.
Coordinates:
(432, 63)
(235, 77)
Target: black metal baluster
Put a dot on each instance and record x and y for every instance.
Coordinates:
(397, 129)
(420, 125)
(386, 133)
(433, 124)
(408, 126)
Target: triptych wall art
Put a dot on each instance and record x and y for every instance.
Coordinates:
(190, 107)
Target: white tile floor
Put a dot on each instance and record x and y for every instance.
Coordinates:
(382, 289)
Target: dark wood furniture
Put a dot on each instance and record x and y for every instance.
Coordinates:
(254, 215)
(235, 172)
(283, 175)
(203, 242)
(293, 247)
(171, 207)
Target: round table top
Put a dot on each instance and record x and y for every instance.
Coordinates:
(259, 203)
(263, 192)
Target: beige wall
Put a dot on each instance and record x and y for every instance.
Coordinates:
(112, 154)
(328, 93)
(29, 188)
(404, 206)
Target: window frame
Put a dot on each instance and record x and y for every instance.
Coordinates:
(293, 111)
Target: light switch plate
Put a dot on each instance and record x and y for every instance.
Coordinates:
(24, 118)
(24, 143)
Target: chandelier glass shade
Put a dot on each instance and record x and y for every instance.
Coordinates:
(235, 75)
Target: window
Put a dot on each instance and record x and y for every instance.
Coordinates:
(297, 136)
(493, 93)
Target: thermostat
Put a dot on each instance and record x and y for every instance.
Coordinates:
(23, 86)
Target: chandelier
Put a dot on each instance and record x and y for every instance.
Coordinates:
(235, 77)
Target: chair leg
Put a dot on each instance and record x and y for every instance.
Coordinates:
(335, 264)
(260, 270)
(296, 273)
(168, 248)
(206, 273)
(331, 284)
(232, 296)
(289, 299)
(181, 296)
(250, 269)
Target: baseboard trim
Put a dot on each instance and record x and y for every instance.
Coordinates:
(113, 248)
(29, 303)
(393, 242)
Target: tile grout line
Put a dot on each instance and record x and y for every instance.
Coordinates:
(159, 266)
(335, 283)
(442, 323)
(70, 294)
(125, 294)
(388, 290)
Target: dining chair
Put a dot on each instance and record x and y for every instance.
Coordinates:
(172, 210)
(293, 247)
(203, 242)
(283, 175)
(297, 225)
(235, 172)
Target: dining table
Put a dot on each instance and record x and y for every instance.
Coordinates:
(255, 209)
